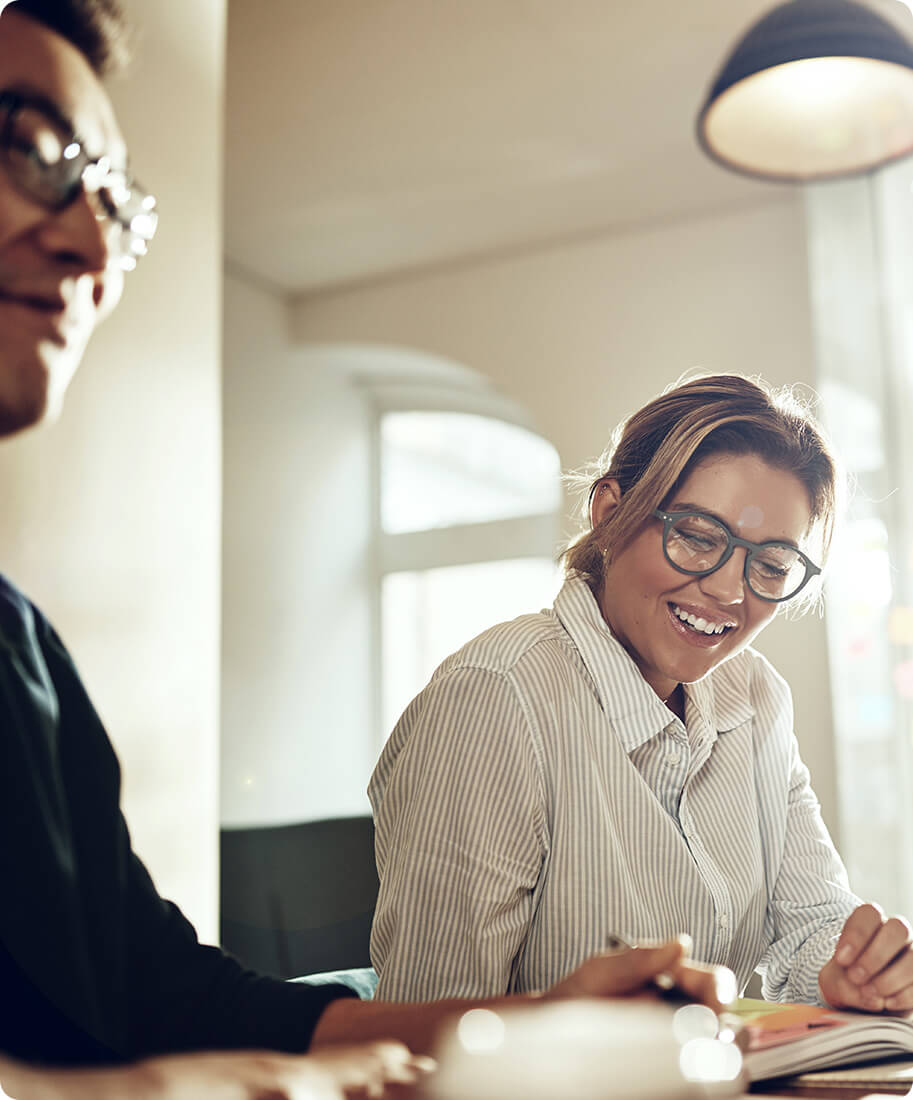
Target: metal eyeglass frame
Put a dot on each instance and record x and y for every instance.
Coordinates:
(668, 518)
(83, 173)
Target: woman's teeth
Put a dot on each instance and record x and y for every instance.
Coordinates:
(697, 623)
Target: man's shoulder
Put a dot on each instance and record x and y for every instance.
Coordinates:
(17, 612)
(9, 592)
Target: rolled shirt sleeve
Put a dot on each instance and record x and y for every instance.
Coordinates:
(459, 815)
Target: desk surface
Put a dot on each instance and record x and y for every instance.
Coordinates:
(891, 1078)
(822, 1093)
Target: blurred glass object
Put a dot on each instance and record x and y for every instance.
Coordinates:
(586, 1050)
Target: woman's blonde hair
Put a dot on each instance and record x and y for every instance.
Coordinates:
(655, 450)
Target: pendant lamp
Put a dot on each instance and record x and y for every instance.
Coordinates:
(816, 89)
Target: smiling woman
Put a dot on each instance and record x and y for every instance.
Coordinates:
(624, 763)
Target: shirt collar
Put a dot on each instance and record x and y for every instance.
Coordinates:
(626, 698)
(724, 697)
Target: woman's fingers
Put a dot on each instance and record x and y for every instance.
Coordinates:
(861, 925)
(872, 967)
(884, 952)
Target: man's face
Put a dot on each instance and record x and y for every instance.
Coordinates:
(58, 271)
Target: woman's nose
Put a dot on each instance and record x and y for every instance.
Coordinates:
(726, 585)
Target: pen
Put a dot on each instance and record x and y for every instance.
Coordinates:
(663, 983)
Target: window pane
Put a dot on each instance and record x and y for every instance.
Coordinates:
(439, 469)
(860, 247)
(864, 624)
(428, 615)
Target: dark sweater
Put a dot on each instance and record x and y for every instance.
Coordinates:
(95, 966)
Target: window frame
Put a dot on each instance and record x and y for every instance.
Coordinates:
(524, 536)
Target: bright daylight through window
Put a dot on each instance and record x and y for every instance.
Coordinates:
(469, 509)
(860, 235)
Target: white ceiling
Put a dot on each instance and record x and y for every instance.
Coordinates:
(372, 137)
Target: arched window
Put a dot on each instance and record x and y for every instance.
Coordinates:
(467, 526)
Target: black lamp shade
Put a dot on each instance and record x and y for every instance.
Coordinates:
(816, 89)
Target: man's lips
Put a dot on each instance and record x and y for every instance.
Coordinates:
(44, 316)
(45, 303)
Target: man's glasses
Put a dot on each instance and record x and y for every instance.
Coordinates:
(698, 544)
(46, 161)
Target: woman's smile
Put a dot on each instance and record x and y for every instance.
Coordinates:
(678, 627)
(699, 626)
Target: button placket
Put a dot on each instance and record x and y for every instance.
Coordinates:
(717, 886)
(678, 743)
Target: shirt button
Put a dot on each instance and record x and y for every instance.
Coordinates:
(672, 757)
(724, 920)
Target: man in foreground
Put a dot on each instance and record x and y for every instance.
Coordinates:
(97, 970)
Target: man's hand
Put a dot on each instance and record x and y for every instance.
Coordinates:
(634, 971)
(334, 1073)
(872, 967)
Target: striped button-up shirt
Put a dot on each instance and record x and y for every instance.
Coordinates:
(537, 797)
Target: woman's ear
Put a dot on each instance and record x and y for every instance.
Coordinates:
(606, 499)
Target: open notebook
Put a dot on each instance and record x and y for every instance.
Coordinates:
(785, 1039)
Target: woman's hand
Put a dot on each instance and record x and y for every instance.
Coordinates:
(872, 967)
(649, 971)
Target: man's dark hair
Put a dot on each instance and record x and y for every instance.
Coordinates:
(97, 28)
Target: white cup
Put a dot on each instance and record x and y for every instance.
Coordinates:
(586, 1050)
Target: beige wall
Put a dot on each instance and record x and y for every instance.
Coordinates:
(110, 519)
(298, 726)
(583, 334)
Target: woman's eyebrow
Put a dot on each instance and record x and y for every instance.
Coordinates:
(691, 506)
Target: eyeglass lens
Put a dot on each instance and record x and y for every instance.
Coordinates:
(698, 543)
(46, 162)
(35, 153)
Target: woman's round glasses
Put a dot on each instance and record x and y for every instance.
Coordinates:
(46, 161)
(698, 544)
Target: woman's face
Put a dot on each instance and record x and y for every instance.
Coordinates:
(642, 591)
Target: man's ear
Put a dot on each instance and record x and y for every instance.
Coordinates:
(606, 499)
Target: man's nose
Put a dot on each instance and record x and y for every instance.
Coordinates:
(82, 236)
(727, 584)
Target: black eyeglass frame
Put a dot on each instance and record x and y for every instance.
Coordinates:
(11, 101)
(753, 548)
